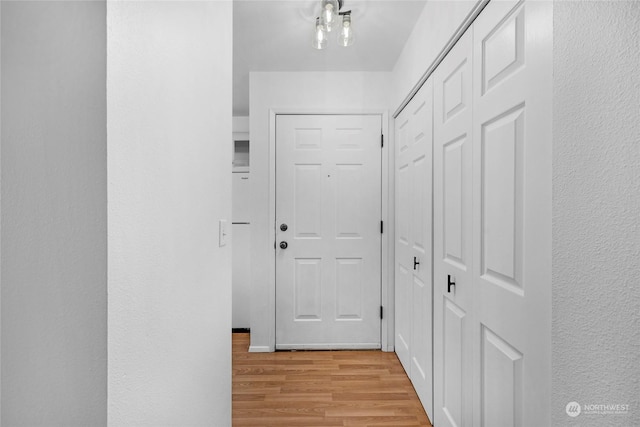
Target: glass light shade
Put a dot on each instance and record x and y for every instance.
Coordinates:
(329, 14)
(345, 38)
(319, 36)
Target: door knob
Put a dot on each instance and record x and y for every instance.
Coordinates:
(283, 227)
(415, 262)
(450, 282)
(283, 245)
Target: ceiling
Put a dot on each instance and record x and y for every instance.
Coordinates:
(275, 35)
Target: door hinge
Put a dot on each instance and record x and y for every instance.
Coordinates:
(381, 140)
(381, 227)
(381, 312)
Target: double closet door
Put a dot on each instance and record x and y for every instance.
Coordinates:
(492, 222)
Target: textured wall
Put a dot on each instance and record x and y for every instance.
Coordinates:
(54, 206)
(596, 210)
(169, 165)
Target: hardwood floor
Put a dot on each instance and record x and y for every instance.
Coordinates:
(321, 388)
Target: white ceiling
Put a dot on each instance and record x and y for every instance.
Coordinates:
(275, 35)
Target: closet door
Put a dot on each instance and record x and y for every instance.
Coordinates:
(413, 243)
(403, 231)
(452, 172)
(512, 213)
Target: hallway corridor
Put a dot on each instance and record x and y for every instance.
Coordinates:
(321, 388)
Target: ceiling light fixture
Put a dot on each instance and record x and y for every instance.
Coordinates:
(320, 36)
(329, 13)
(345, 38)
(329, 17)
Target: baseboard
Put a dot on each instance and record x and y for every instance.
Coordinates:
(331, 346)
(259, 349)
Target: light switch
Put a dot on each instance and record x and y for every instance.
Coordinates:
(222, 233)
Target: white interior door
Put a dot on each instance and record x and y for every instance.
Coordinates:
(328, 193)
(512, 213)
(413, 243)
(452, 169)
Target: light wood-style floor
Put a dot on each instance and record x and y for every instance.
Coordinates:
(321, 388)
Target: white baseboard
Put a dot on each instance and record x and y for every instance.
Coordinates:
(259, 349)
(333, 346)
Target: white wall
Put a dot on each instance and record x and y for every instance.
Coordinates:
(240, 124)
(433, 29)
(169, 165)
(596, 210)
(54, 206)
(294, 91)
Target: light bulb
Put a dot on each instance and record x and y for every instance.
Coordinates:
(345, 38)
(319, 36)
(329, 13)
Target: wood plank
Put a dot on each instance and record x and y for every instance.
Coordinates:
(321, 388)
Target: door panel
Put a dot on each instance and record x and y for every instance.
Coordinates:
(454, 346)
(307, 201)
(414, 291)
(501, 376)
(307, 289)
(511, 213)
(349, 282)
(328, 278)
(421, 340)
(455, 154)
(350, 189)
(421, 231)
(501, 185)
(453, 314)
(403, 316)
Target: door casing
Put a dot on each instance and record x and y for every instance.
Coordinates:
(388, 253)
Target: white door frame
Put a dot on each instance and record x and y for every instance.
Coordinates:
(388, 254)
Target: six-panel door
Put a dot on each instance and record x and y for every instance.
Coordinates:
(452, 170)
(512, 75)
(492, 211)
(328, 193)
